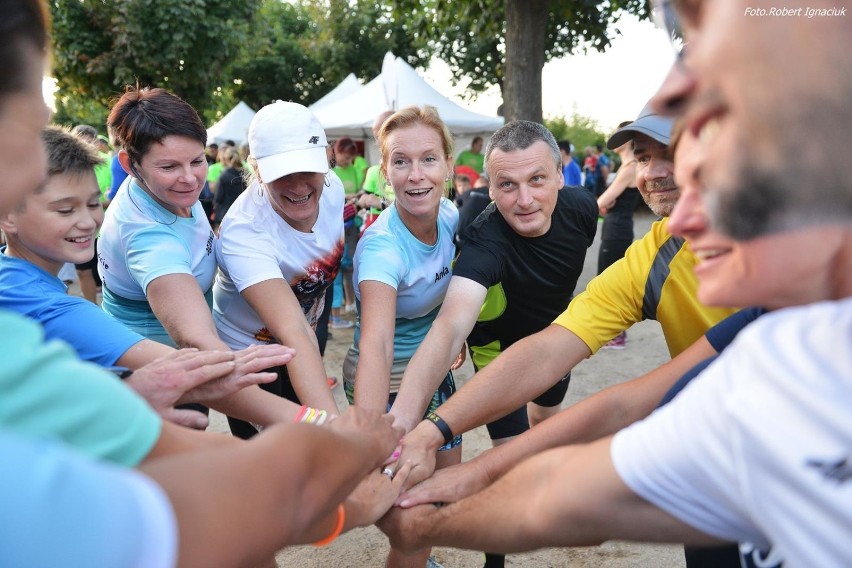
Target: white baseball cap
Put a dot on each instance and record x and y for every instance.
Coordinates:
(286, 138)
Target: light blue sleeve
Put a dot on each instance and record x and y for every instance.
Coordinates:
(156, 251)
(61, 509)
(380, 259)
(46, 391)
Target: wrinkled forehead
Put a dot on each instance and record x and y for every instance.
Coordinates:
(645, 145)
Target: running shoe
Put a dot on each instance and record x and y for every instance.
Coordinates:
(340, 323)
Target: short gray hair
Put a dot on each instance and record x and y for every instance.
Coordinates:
(520, 135)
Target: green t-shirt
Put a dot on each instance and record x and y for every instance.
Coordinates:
(214, 172)
(361, 166)
(376, 184)
(103, 174)
(46, 391)
(468, 158)
(350, 177)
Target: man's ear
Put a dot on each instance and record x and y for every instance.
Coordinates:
(8, 224)
(124, 160)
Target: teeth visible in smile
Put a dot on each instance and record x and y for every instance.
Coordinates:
(79, 239)
(302, 200)
(708, 131)
(417, 191)
(709, 253)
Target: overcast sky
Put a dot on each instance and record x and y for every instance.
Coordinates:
(609, 87)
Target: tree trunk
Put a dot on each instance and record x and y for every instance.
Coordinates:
(526, 25)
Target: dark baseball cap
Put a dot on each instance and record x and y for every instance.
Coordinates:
(649, 123)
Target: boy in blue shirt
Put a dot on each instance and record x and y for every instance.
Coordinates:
(57, 223)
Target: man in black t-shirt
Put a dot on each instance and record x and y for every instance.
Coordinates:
(515, 273)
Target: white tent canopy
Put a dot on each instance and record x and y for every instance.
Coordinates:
(397, 86)
(346, 87)
(233, 126)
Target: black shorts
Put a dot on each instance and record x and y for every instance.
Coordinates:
(517, 422)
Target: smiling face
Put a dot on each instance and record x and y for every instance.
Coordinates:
(525, 186)
(57, 224)
(772, 113)
(655, 174)
(173, 172)
(718, 255)
(417, 168)
(780, 270)
(296, 198)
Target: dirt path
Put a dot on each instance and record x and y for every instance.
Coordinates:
(368, 547)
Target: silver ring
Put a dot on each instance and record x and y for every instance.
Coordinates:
(389, 472)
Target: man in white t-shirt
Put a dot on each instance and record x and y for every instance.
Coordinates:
(758, 447)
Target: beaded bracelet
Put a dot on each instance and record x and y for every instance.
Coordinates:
(308, 415)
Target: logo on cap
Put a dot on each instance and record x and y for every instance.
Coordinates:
(314, 140)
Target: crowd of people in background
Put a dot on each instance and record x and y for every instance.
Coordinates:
(211, 274)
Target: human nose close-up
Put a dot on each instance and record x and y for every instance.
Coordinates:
(659, 168)
(415, 171)
(674, 93)
(688, 216)
(525, 197)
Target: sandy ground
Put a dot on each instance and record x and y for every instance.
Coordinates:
(367, 547)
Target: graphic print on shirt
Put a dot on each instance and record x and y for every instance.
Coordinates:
(310, 288)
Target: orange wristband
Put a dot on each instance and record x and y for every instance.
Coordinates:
(338, 528)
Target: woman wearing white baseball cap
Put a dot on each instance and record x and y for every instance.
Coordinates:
(279, 249)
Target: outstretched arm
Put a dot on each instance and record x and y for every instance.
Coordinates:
(601, 414)
(518, 375)
(179, 304)
(438, 351)
(298, 474)
(223, 380)
(279, 310)
(568, 496)
(375, 345)
(214, 378)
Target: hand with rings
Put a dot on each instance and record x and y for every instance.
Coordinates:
(374, 496)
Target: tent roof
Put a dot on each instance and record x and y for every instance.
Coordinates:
(346, 87)
(397, 86)
(233, 126)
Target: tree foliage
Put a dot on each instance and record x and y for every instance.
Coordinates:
(307, 49)
(216, 52)
(181, 45)
(471, 35)
(581, 130)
